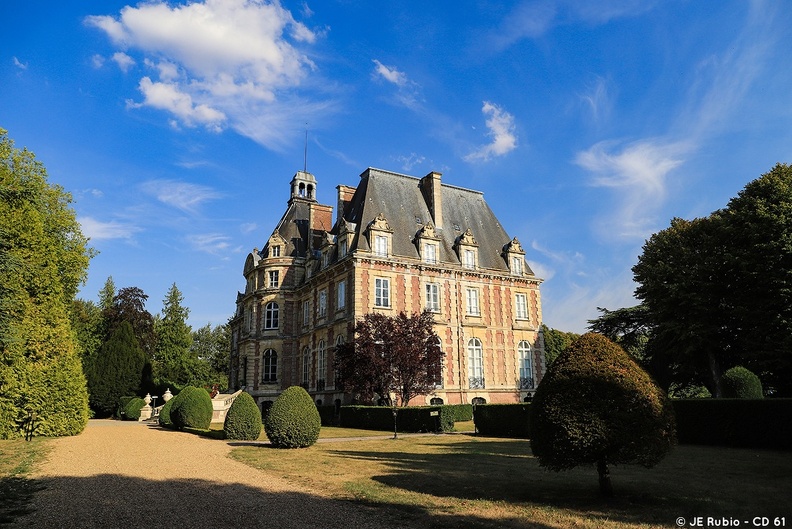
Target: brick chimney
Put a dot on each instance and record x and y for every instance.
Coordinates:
(433, 195)
(345, 194)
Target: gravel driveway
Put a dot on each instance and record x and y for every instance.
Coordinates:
(128, 475)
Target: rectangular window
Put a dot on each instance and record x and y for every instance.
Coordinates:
(273, 278)
(382, 292)
(520, 307)
(433, 297)
(325, 259)
(341, 295)
(381, 245)
(430, 253)
(517, 267)
(473, 302)
(306, 313)
(469, 259)
(275, 251)
(342, 249)
(322, 308)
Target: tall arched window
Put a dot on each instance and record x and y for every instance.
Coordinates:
(320, 366)
(271, 315)
(475, 364)
(526, 365)
(306, 374)
(269, 372)
(334, 375)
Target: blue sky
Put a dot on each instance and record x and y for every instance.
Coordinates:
(588, 125)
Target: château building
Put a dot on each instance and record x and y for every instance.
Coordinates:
(398, 243)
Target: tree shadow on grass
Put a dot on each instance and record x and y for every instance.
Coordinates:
(110, 500)
(506, 471)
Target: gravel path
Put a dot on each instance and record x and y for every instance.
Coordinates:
(129, 475)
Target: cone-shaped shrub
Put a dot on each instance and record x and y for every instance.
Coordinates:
(132, 409)
(243, 420)
(293, 420)
(164, 414)
(595, 405)
(192, 409)
(740, 383)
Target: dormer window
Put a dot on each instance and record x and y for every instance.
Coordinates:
(430, 253)
(517, 267)
(275, 251)
(469, 259)
(381, 245)
(342, 249)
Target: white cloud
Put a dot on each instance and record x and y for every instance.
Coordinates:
(182, 195)
(248, 227)
(502, 131)
(168, 96)
(97, 61)
(408, 92)
(408, 162)
(212, 243)
(389, 73)
(124, 61)
(638, 174)
(98, 230)
(598, 99)
(19, 64)
(219, 63)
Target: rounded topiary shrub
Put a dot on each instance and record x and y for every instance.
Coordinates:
(243, 420)
(132, 409)
(740, 383)
(293, 421)
(595, 405)
(192, 409)
(164, 414)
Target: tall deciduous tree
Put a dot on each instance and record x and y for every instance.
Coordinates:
(43, 259)
(399, 354)
(212, 347)
(556, 342)
(718, 290)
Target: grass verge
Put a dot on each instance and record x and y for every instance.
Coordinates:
(17, 459)
(465, 481)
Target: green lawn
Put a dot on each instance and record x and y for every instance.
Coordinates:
(17, 458)
(467, 481)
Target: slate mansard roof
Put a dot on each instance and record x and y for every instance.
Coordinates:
(404, 204)
(400, 200)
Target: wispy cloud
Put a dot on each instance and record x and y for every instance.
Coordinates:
(598, 100)
(502, 131)
(182, 195)
(98, 230)
(408, 91)
(531, 19)
(248, 227)
(637, 172)
(212, 243)
(408, 162)
(19, 64)
(219, 64)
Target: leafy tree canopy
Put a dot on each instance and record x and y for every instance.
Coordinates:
(400, 354)
(43, 259)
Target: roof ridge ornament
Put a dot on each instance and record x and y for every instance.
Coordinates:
(467, 238)
(514, 247)
(380, 223)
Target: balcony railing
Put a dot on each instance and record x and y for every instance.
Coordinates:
(476, 383)
(526, 383)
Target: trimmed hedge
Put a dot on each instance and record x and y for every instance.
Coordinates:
(740, 383)
(327, 415)
(503, 420)
(744, 423)
(293, 420)
(122, 404)
(243, 420)
(460, 412)
(192, 409)
(409, 419)
(132, 409)
(164, 414)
